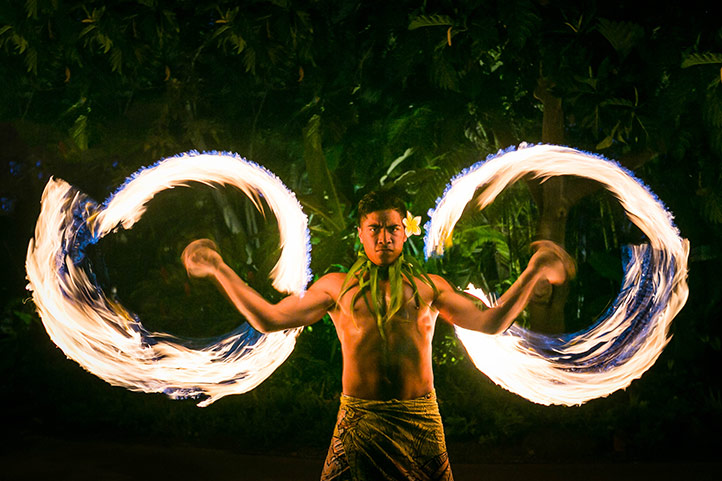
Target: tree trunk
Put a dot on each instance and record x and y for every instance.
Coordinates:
(555, 198)
(546, 309)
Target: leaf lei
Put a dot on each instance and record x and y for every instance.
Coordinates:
(367, 274)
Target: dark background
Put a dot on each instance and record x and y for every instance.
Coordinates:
(331, 96)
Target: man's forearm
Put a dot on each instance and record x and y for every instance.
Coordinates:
(292, 311)
(549, 263)
(250, 303)
(461, 311)
(513, 302)
(202, 260)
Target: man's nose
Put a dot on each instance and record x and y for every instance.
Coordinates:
(383, 237)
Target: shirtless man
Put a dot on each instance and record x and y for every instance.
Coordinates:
(388, 425)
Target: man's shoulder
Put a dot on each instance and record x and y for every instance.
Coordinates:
(439, 281)
(332, 277)
(331, 281)
(328, 285)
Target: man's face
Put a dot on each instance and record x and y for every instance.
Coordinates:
(382, 235)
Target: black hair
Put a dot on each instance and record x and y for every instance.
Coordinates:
(381, 200)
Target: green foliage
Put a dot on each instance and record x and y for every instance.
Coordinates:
(338, 98)
(328, 205)
(705, 58)
(17, 316)
(421, 21)
(521, 21)
(623, 36)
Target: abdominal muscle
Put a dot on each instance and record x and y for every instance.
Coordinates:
(396, 368)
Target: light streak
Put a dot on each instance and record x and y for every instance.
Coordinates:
(618, 348)
(105, 338)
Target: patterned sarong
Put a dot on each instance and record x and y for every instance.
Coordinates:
(388, 440)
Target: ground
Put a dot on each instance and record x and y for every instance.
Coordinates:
(44, 458)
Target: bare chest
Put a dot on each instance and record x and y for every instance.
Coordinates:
(357, 314)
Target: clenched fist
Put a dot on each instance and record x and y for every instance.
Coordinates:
(201, 258)
(557, 265)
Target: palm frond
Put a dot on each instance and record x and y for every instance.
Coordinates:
(623, 36)
(421, 21)
(705, 58)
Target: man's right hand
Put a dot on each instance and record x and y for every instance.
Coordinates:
(557, 264)
(201, 258)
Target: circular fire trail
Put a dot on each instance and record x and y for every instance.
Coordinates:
(105, 338)
(619, 347)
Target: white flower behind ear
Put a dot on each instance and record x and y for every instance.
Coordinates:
(412, 225)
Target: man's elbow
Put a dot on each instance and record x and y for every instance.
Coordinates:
(494, 331)
(263, 328)
(482, 327)
(269, 327)
(263, 325)
(270, 324)
(492, 328)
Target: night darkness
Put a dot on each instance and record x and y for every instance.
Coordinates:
(338, 98)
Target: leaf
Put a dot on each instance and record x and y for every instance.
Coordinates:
(475, 237)
(711, 205)
(396, 163)
(430, 21)
(443, 74)
(618, 102)
(318, 207)
(229, 16)
(87, 30)
(220, 30)
(712, 113)
(319, 175)
(20, 43)
(406, 128)
(521, 20)
(31, 7)
(79, 132)
(249, 60)
(116, 60)
(23, 316)
(705, 58)
(622, 35)
(238, 42)
(31, 60)
(82, 102)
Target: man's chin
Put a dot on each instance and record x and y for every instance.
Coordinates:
(384, 258)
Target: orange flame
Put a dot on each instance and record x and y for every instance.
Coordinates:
(103, 337)
(573, 369)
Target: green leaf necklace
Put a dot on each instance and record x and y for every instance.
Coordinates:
(367, 274)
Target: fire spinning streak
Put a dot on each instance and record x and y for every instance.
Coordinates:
(620, 346)
(107, 340)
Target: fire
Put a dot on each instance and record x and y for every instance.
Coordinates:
(618, 348)
(105, 338)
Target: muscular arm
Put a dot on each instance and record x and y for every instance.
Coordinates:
(201, 259)
(550, 263)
